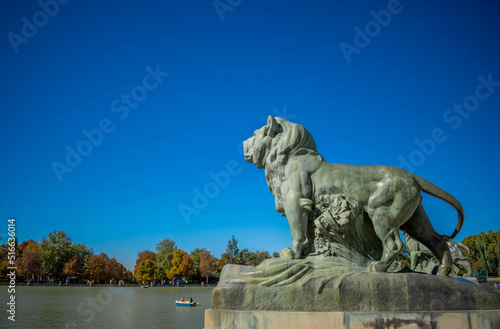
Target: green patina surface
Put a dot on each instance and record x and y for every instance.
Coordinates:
(345, 222)
(245, 288)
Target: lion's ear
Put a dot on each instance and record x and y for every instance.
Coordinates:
(274, 126)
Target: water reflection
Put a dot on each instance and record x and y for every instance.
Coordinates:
(104, 307)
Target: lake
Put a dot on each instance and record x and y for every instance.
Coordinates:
(107, 307)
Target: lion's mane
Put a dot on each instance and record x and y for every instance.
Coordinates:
(292, 140)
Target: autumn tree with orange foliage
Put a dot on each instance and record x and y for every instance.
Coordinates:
(114, 269)
(207, 264)
(96, 267)
(29, 263)
(73, 267)
(186, 266)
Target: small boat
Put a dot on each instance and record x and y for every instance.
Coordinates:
(144, 286)
(185, 303)
(497, 285)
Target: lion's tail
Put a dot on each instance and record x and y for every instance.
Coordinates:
(439, 193)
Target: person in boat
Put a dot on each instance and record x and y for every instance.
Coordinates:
(191, 300)
(183, 299)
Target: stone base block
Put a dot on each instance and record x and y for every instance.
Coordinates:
(233, 319)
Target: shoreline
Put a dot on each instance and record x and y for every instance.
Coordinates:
(19, 284)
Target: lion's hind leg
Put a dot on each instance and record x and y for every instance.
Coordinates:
(389, 235)
(388, 209)
(420, 228)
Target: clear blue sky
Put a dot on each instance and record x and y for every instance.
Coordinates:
(364, 97)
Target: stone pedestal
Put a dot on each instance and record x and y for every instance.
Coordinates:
(351, 292)
(353, 300)
(230, 319)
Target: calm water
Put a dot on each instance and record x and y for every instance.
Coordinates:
(98, 307)
(101, 307)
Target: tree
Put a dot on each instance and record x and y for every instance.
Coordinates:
(276, 254)
(96, 267)
(207, 264)
(176, 262)
(196, 256)
(104, 255)
(473, 258)
(56, 251)
(486, 245)
(164, 253)
(259, 257)
(141, 257)
(114, 269)
(219, 264)
(128, 276)
(484, 252)
(231, 256)
(73, 267)
(82, 252)
(30, 263)
(146, 271)
(186, 266)
(4, 261)
(497, 253)
(23, 246)
(245, 257)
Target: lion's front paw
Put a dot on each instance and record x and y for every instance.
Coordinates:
(287, 253)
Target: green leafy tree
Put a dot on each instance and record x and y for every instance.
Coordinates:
(196, 256)
(246, 257)
(231, 256)
(146, 271)
(497, 253)
(176, 262)
(484, 251)
(56, 252)
(470, 242)
(259, 257)
(164, 254)
(486, 245)
(473, 258)
(82, 254)
(141, 257)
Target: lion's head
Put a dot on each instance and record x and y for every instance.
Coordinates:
(277, 140)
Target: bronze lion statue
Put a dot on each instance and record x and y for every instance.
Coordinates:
(389, 197)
